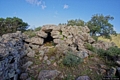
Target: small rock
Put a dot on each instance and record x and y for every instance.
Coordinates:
(118, 63)
(23, 76)
(48, 62)
(114, 70)
(40, 58)
(54, 64)
(83, 78)
(52, 58)
(31, 54)
(48, 74)
(45, 58)
(82, 54)
(29, 78)
(35, 66)
(102, 71)
(41, 53)
(34, 46)
(27, 64)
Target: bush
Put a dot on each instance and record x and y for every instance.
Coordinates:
(101, 52)
(90, 47)
(95, 38)
(30, 33)
(38, 29)
(113, 51)
(71, 60)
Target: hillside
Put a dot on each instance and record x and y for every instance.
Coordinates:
(57, 53)
(115, 39)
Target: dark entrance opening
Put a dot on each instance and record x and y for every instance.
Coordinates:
(49, 38)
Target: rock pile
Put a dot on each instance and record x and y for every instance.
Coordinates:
(11, 51)
(64, 37)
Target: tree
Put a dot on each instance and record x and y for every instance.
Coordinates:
(76, 22)
(10, 25)
(100, 25)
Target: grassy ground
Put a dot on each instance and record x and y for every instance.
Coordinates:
(90, 68)
(115, 39)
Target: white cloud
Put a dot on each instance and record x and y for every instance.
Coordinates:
(65, 6)
(43, 5)
(35, 2)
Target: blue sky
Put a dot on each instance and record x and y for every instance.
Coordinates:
(40, 12)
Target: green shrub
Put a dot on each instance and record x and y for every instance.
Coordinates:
(113, 51)
(95, 38)
(38, 29)
(101, 52)
(30, 33)
(90, 47)
(71, 60)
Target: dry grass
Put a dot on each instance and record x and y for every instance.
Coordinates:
(115, 39)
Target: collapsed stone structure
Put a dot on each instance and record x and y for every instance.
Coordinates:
(14, 46)
(66, 38)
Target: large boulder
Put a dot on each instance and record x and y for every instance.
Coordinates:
(56, 41)
(83, 78)
(42, 34)
(35, 40)
(48, 74)
(55, 34)
(48, 28)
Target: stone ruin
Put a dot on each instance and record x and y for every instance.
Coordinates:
(14, 46)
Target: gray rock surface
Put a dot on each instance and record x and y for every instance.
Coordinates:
(48, 74)
(42, 34)
(118, 63)
(24, 76)
(27, 64)
(82, 54)
(83, 78)
(35, 40)
(31, 54)
(11, 51)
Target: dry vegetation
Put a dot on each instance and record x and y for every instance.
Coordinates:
(115, 39)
